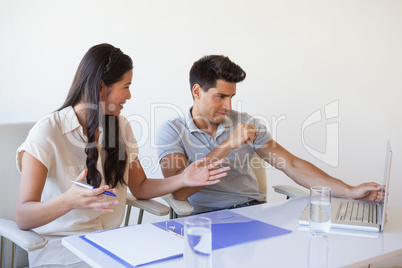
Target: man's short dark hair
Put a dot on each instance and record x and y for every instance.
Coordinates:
(207, 70)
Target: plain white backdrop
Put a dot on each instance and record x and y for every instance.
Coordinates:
(300, 57)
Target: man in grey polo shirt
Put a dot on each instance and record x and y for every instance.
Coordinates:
(211, 128)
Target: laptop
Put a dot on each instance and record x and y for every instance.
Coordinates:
(357, 215)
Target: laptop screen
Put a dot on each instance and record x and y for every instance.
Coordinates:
(387, 174)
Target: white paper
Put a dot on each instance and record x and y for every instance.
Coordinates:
(139, 244)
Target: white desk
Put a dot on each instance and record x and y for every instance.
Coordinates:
(290, 250)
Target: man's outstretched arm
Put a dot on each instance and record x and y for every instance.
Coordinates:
(307, 175)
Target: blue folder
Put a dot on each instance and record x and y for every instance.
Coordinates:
(229, 228)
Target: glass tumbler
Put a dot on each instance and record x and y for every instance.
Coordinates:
(198, 242)
(320, 211)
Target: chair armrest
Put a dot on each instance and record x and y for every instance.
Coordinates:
(28, 240)
(289, 191)
(149, 205)
(181, 208)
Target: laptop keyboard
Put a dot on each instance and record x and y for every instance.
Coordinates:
(357, 212)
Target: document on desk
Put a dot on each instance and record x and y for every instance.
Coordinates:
(137, 245)
(230, 228)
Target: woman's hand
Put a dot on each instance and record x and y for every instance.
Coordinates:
(198, 174)
(81, 198)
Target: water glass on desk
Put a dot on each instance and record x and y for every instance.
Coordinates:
(320, 210)
(197, 242)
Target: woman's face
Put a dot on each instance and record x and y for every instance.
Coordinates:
(115, 96)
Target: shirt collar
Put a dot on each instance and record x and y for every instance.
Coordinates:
(69, 120)
(193, 127)
(70, 123)
(190, 122)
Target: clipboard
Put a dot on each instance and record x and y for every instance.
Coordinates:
(143, 244)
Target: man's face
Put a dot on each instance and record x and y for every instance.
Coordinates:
(214, 104)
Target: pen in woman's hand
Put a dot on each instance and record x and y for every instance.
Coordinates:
(88, 186)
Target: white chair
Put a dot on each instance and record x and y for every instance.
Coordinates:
(152, 206)
(11, 137)
(184, 208)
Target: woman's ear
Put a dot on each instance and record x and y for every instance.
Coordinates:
(102, 90)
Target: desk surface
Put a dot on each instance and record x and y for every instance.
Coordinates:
(291, 250)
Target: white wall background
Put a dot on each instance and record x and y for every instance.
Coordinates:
(299, 57)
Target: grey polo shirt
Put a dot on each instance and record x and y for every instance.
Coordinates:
(181, 135)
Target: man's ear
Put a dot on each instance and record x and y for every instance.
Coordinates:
(197, 91)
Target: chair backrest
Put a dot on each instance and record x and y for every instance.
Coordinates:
(259, 167)
(11, 137)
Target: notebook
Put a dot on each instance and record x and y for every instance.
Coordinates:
(355, 214)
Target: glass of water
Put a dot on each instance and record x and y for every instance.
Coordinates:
(198, 242)
(320, 210)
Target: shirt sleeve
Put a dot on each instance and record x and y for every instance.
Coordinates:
(36, 144)
(263, 134)
(168, 140)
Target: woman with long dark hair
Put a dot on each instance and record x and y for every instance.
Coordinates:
(88, 140)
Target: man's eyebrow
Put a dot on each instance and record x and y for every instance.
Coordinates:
(224, 95)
